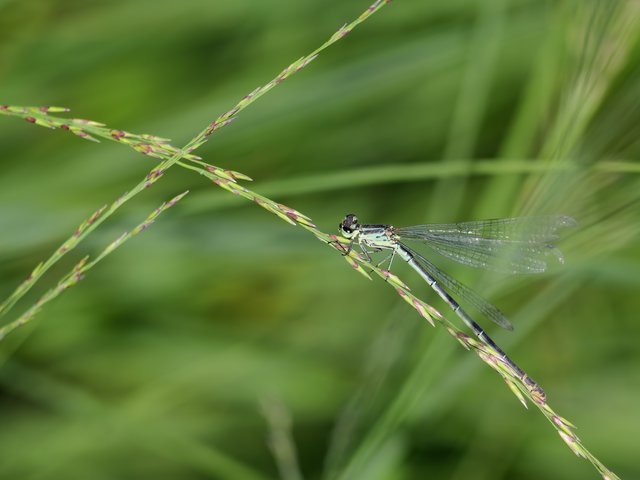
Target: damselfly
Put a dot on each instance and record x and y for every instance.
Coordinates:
(512, 245)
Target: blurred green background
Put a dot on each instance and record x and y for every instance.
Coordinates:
(183, 353)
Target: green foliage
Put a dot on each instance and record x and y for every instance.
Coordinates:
(155, 365)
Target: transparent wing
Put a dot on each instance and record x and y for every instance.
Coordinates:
(512, 245)
(536, 229)
(463, 293)
(517, 258)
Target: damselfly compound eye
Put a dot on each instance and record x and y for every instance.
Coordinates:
(348, 225)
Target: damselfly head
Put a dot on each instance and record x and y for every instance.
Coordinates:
(349, 226)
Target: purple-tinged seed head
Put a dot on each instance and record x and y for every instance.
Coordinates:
(211, 128)
(251, 95)
(569, 439)
(560, 422)
(488, 359)
(144, 148)
(463, 336)
(155, 174)
(118, 134)
(95, 215)
(80, 133)
(30, 119)
(353, 263)
(422, 311)
(285, 209)
(80, 264)
(4, 107)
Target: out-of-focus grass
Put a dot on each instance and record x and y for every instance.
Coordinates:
(157, 363)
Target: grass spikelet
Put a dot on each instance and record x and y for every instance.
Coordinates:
(79, 270)
(356, 266)
(514, 389)
(422, 309)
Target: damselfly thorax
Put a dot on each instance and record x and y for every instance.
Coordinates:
(376, 237)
